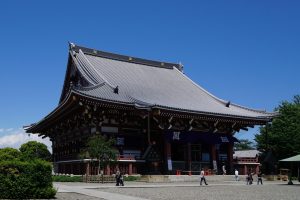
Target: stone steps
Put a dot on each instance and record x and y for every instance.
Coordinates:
(187, 178)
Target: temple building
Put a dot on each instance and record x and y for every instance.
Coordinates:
(246, 160)
(163, 122)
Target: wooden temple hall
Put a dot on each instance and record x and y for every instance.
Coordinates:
(162, 120)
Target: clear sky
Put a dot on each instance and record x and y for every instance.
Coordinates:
(244, 51)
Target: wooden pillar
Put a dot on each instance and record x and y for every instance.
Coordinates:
(87, 168)
(108, 169)
(189, 156)
(168, 155)
(213, 152)
(245, 169)
(148, 129)
(130, 169)
(230, 157)
(257, 169)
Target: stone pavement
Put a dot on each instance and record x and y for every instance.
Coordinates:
(224, 190)
(90, 190)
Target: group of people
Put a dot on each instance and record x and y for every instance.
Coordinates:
(249, 177)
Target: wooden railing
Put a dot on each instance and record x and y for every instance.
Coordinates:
(207, 172)
(125, 157)
(98, 179)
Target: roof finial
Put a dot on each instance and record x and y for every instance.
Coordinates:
(71, 45)
(228, 104)
(180, 66)
(116, 90)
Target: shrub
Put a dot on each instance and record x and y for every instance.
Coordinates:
(131, 178)
(26, 180)
(9, 154)
(67, 178)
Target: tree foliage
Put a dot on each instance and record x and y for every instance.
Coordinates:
(101, 148)
(283, 135)
(33, 150)
(9, 154)
(244, 144)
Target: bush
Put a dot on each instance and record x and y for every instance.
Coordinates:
(131, 178)
(26, 180)
(9, 154)
(67, 178)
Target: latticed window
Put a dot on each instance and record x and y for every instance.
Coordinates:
(196, 152)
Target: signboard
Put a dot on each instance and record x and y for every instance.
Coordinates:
(224, 139)
(169, 164)
(215, 165)
(176, 135)
(120, 141)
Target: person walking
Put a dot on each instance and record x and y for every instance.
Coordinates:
(236, 175)
(259, 178)
(202, 177)
(224, 170)
(118, 177)
(121, 179)
(249, 178)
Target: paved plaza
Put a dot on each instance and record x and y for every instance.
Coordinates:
(226, 190)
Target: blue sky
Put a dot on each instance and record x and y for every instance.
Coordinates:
(247, 52)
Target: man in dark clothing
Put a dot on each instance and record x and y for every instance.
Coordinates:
(249, 178)
(118, 177)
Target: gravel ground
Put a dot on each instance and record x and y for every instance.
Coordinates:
(214, 192)
(74, 196)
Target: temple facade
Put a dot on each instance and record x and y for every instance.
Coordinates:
(162, 121)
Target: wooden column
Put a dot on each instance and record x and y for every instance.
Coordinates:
(130, 169)
(189, 156)
(87, 168)
(107, 169)
(148, 129)
(230, 157)
(168, 154)
(213, 152)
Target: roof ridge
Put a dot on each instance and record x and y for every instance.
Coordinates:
(223, 101)
(125, 58)
(91, 87)
(201, 88)
(91, 66)
(254, 110)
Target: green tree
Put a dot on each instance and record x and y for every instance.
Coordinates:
(244, 144)
(283, 135)
(9, 154)
(101, 148)
(33, 149)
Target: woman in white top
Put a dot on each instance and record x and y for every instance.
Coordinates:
(236, 174)
(202, 177)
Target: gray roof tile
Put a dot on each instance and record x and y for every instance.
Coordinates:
(246, 154)
(152, 86)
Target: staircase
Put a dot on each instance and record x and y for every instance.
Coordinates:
(187, 178)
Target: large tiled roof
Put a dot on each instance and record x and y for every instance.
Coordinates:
(150, 84)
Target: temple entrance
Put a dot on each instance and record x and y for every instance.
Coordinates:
(178, 156)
